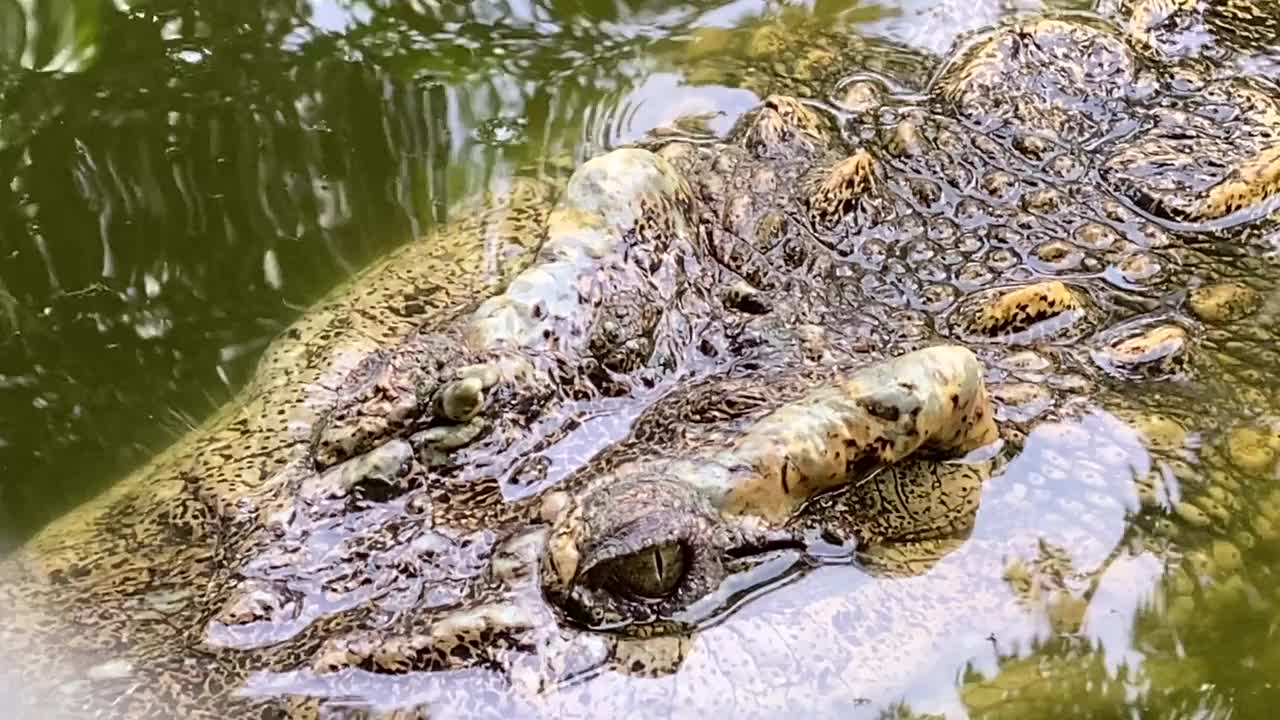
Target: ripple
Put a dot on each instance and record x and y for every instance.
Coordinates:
(663, 100)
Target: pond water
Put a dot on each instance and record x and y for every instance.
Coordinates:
(182, 179)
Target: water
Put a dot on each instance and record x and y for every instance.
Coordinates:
(182, 179)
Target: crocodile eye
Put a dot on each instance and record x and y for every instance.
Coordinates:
(653, 572)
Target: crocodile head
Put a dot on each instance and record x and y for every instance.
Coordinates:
(1039, 252)
(647, 540)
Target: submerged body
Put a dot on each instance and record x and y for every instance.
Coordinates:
(636, 409)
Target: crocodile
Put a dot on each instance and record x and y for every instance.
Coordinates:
(874, 386)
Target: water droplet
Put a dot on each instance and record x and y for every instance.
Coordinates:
(271, 269)
(501, 131)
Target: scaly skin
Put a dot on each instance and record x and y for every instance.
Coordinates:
(702, 318)
(756, 206)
